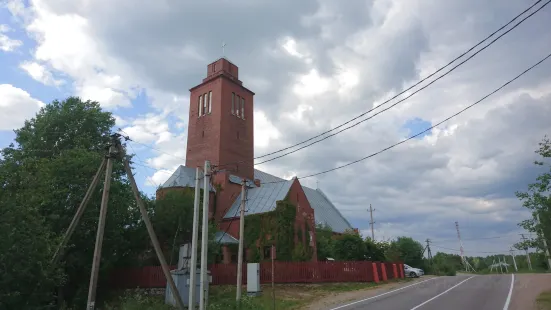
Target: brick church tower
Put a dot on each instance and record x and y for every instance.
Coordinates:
(221, 127)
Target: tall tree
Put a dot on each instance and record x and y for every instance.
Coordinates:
(48, 170)
(407, 250)
(538, 200)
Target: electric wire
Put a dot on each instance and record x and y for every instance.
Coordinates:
(404, 91)
(431, 127)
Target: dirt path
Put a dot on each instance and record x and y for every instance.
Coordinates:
(338, 298)
(526, 289)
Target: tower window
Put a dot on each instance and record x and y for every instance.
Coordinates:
(203, 133)
(237, 109)
(200, 105)
(213, 67)
(205, 103)
(210, 102)
(232, 103)
(242, 108)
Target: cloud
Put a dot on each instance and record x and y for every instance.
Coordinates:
(16, 106)
(323, 65)
(6, 43)
(40, 73)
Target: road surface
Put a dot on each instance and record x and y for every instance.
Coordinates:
(462, 292)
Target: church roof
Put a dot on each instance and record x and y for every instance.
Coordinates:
(263, 199)
(185, 177)
(224, 238)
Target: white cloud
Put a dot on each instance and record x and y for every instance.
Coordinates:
(16, 106)
(6, 43)
(40, 73)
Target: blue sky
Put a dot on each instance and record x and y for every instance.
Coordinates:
(310, 74)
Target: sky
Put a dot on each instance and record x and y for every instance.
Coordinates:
(313, 64)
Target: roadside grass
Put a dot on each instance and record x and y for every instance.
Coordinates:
(544, 301)
(287, 296)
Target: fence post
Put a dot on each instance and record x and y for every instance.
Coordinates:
(383, 271)
(375, 273)
(401, 271)
(395, 271)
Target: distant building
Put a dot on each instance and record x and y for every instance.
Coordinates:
(221, 129)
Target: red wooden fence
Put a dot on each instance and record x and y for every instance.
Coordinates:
(285, 272)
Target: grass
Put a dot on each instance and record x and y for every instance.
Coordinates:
(544, 301)
(288, 296)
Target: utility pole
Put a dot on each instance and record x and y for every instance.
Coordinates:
(514, 260)
(204, 239)
(544, 242)
(194, 241)
(116, 150)
(463, 259)
(241, 240)
(527, 254)
(372, 222)
(429, 254)
(91, 304)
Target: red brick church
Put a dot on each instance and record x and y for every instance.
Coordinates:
(221, 129)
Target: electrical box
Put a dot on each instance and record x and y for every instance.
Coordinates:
(253, 279)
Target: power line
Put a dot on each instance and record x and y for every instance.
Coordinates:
(404, 91)
(431, 127)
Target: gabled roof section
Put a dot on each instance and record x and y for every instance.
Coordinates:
(262, 199)
(324, 211)
(225, 238)
(185, 177)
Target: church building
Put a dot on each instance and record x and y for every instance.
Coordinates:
(221, 130)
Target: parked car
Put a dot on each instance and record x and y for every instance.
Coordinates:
(413, 272)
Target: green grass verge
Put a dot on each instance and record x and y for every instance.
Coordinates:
(288, 296)
(544, 301)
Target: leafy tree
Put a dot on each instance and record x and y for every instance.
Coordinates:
(538, 200)
(375, 251)
(25, 246)
(325, 242)
(350, 247)
(407, 250)
(48, 170)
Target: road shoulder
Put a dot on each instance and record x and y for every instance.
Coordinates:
(339, 298)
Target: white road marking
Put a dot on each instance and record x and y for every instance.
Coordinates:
(508, 300)
(444, 292)
(399, 289)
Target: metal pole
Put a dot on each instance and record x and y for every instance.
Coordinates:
(514, 260)
(91, 304)
(204, 237)
(273, 277)
(194, 240)
(152, 235)
(241, 239)
(372, 229)
(544, 243)
(79, 213)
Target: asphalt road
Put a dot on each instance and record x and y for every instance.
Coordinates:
(484, 292)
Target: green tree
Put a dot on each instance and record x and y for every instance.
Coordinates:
(538, 200)
(48, 169)
(375, 251)
(407, 250)
(325, 242)
(350, 247)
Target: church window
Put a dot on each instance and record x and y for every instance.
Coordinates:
(200, 105)
(214, 68)
(232, 103)
(205, 103)
(242, 108)
(210, 102)
(237, 109)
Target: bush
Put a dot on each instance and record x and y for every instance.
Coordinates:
(137, 301)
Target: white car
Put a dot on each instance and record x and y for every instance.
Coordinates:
(413, 272)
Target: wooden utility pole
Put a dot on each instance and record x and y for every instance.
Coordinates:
(514, 260)
(527, 254)
(91, 304)
(204, 237)
(241, 240)
(372, 222)
(116, 151)
(194, 242)
(429, 253)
